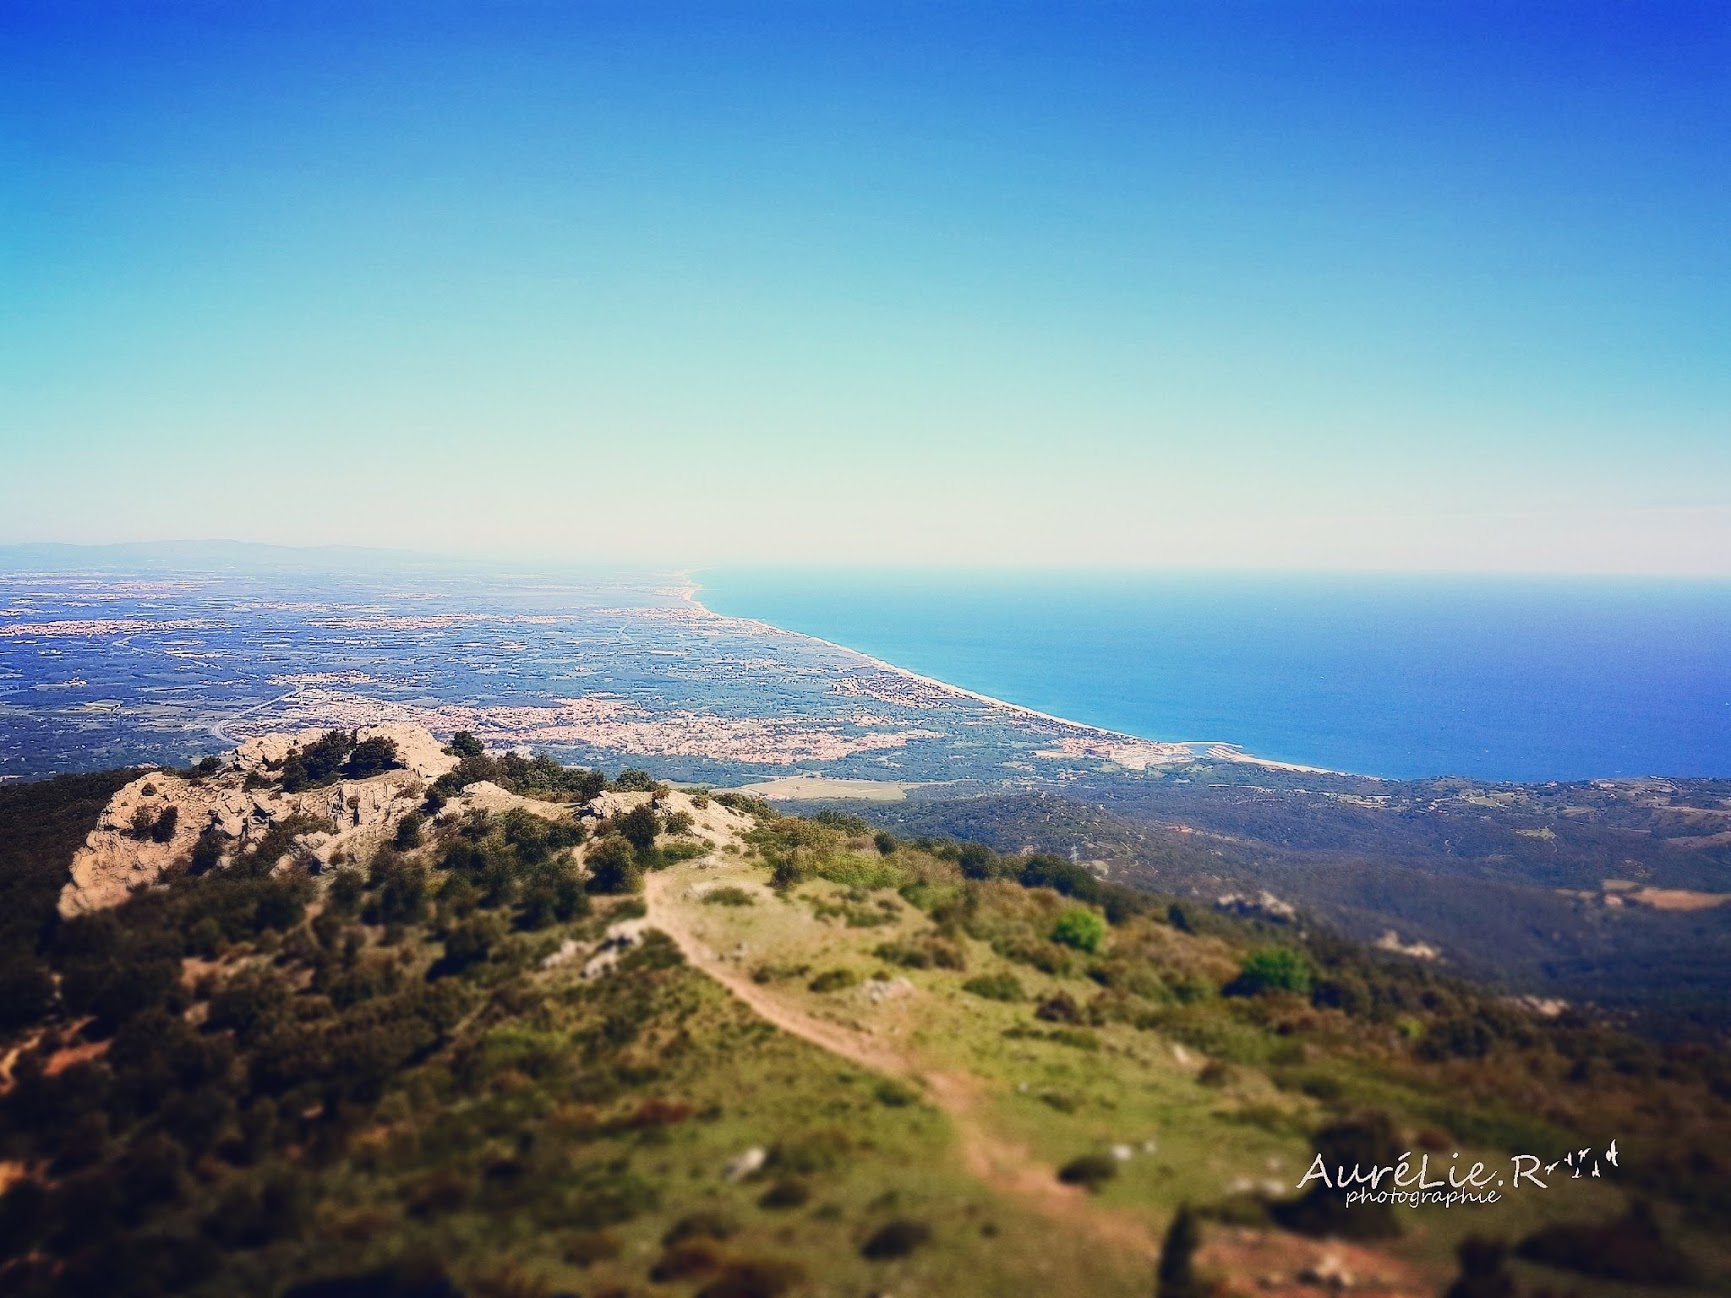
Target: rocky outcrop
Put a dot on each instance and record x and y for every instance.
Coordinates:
(347, 821)
(354, 816)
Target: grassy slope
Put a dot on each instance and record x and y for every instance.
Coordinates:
(1053, 1100)
(554, 1129)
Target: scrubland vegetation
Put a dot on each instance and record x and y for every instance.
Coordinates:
(253, 1080)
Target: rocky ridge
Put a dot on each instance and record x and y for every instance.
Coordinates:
(360, 814)
(354, 817)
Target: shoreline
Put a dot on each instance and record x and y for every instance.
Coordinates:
(1193, 749)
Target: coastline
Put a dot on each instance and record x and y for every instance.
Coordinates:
(1161, 752)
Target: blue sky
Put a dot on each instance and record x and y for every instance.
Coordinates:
(1388, 284)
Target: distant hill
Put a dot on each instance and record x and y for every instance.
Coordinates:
(1617, 892)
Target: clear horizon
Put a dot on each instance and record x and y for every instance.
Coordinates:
(1244, 286)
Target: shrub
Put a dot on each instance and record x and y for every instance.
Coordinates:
(728, 896)
(1090, 1171)
(1630, 1249)
(469, 943)
(863, 872)
(702, 1224)
(1367, 1140)
(613, 868)
(977, 861)
(163, 830)
(633, 780)
(896, 1239)
(901, 953)
(996, 987)
(319, 762)
(1061, 876)
(26, 991)
(207, 851)
(885, 842)
(846, 822)
(371, 756)
(638, 827)
(894, 1095)
(399, 892)
(157, 826)
(834, 980)
(1482, 1274)
(1079, 928)
(1059, 1008)
(408, 835)
(1271, 969)
(464, 744)
(552, 893)
(744, 802)
(786, 1193)
(1456, 1037)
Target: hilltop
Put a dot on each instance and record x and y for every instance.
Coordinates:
(553, 1033)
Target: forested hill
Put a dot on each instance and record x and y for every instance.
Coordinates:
(554, 1033)
(1616, 893)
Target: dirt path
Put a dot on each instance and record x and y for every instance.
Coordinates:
(1004, 1165)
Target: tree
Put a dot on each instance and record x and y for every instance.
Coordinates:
(634, 780)
(408, 835)
(464, 744)
(613, 867)
(638, 826)
(976, 860)
(1176, 1274)
(371, 756)
(207, 851)
(1271, 969)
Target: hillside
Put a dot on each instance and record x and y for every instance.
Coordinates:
(1610, 892)
(547, 1033)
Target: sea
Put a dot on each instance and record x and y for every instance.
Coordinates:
(1491, 678)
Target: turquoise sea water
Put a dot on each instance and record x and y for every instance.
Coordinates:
(1495, 678)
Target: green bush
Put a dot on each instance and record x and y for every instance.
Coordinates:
(613, 867)
(408, 835)
(860, 872)
(464, 744)
(1079, 928)
(1272, 969)
(834, 980)
(996, 987)
(633, 780)
(728, 896)
(638, 827)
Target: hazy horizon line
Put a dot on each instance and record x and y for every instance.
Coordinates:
(165, 548)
